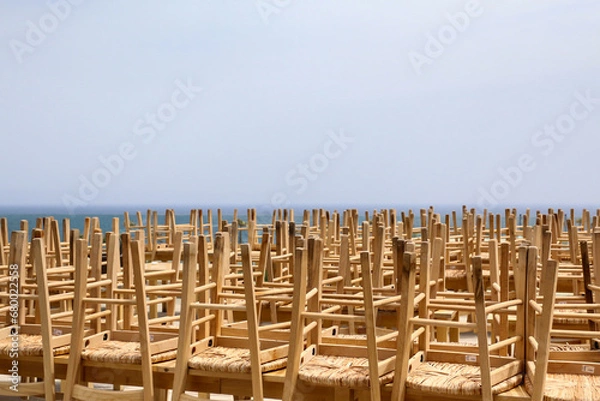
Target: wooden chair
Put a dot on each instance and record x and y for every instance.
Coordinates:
(345, 365)
(562, 364)
(161, 236)
(210, 345)
(116, 346)
(130, 225)
(451, 370)
(58, 250)
(48, 336)
(166, 272)
(188, 230)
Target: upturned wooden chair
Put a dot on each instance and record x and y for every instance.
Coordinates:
(346, 365)
(42, 338)
(562, 364)
(452, 370)
(188, 230)
(130, 343)
(212, 346)
(166, 273)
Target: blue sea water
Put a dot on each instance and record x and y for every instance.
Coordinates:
(105, 215)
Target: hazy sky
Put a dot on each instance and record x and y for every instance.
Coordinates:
(263, 102)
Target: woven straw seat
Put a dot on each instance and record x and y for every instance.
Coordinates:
(571, 320)
(461, 343)
(456, 279)
(454, 379)
(456, 274)
(29, 345)
(340, 371)
(122, 352)
(568, 387)
(230, 360)
(351, 336)
(569, 347)
(461, 274)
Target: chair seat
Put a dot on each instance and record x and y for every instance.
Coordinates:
(572, 320)
(122, 352)
(350, 336)
(230, 360)
(568, 387)
(339, 371)
(569, 347)
(456, 274)
(29, 345)
(453, 379)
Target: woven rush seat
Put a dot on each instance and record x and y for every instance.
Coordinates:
(122, 352)
(568, 387)
(331, 370)
(568, 347)
(351, 336)
(456, 279)
(455, 274)
(454, 379)
(230, 360)
(29, 345)
(571, 320)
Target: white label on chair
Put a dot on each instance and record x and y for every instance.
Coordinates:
(151, 337)
(57, 332)
(588, 369)
(471, 358)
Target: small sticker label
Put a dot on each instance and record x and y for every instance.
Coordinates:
(57, 332)
(588, 369)
(471, 358)
(151, 337)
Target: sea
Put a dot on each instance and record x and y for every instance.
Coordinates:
(15, 214)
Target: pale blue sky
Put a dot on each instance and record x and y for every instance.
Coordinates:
(279, 79)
